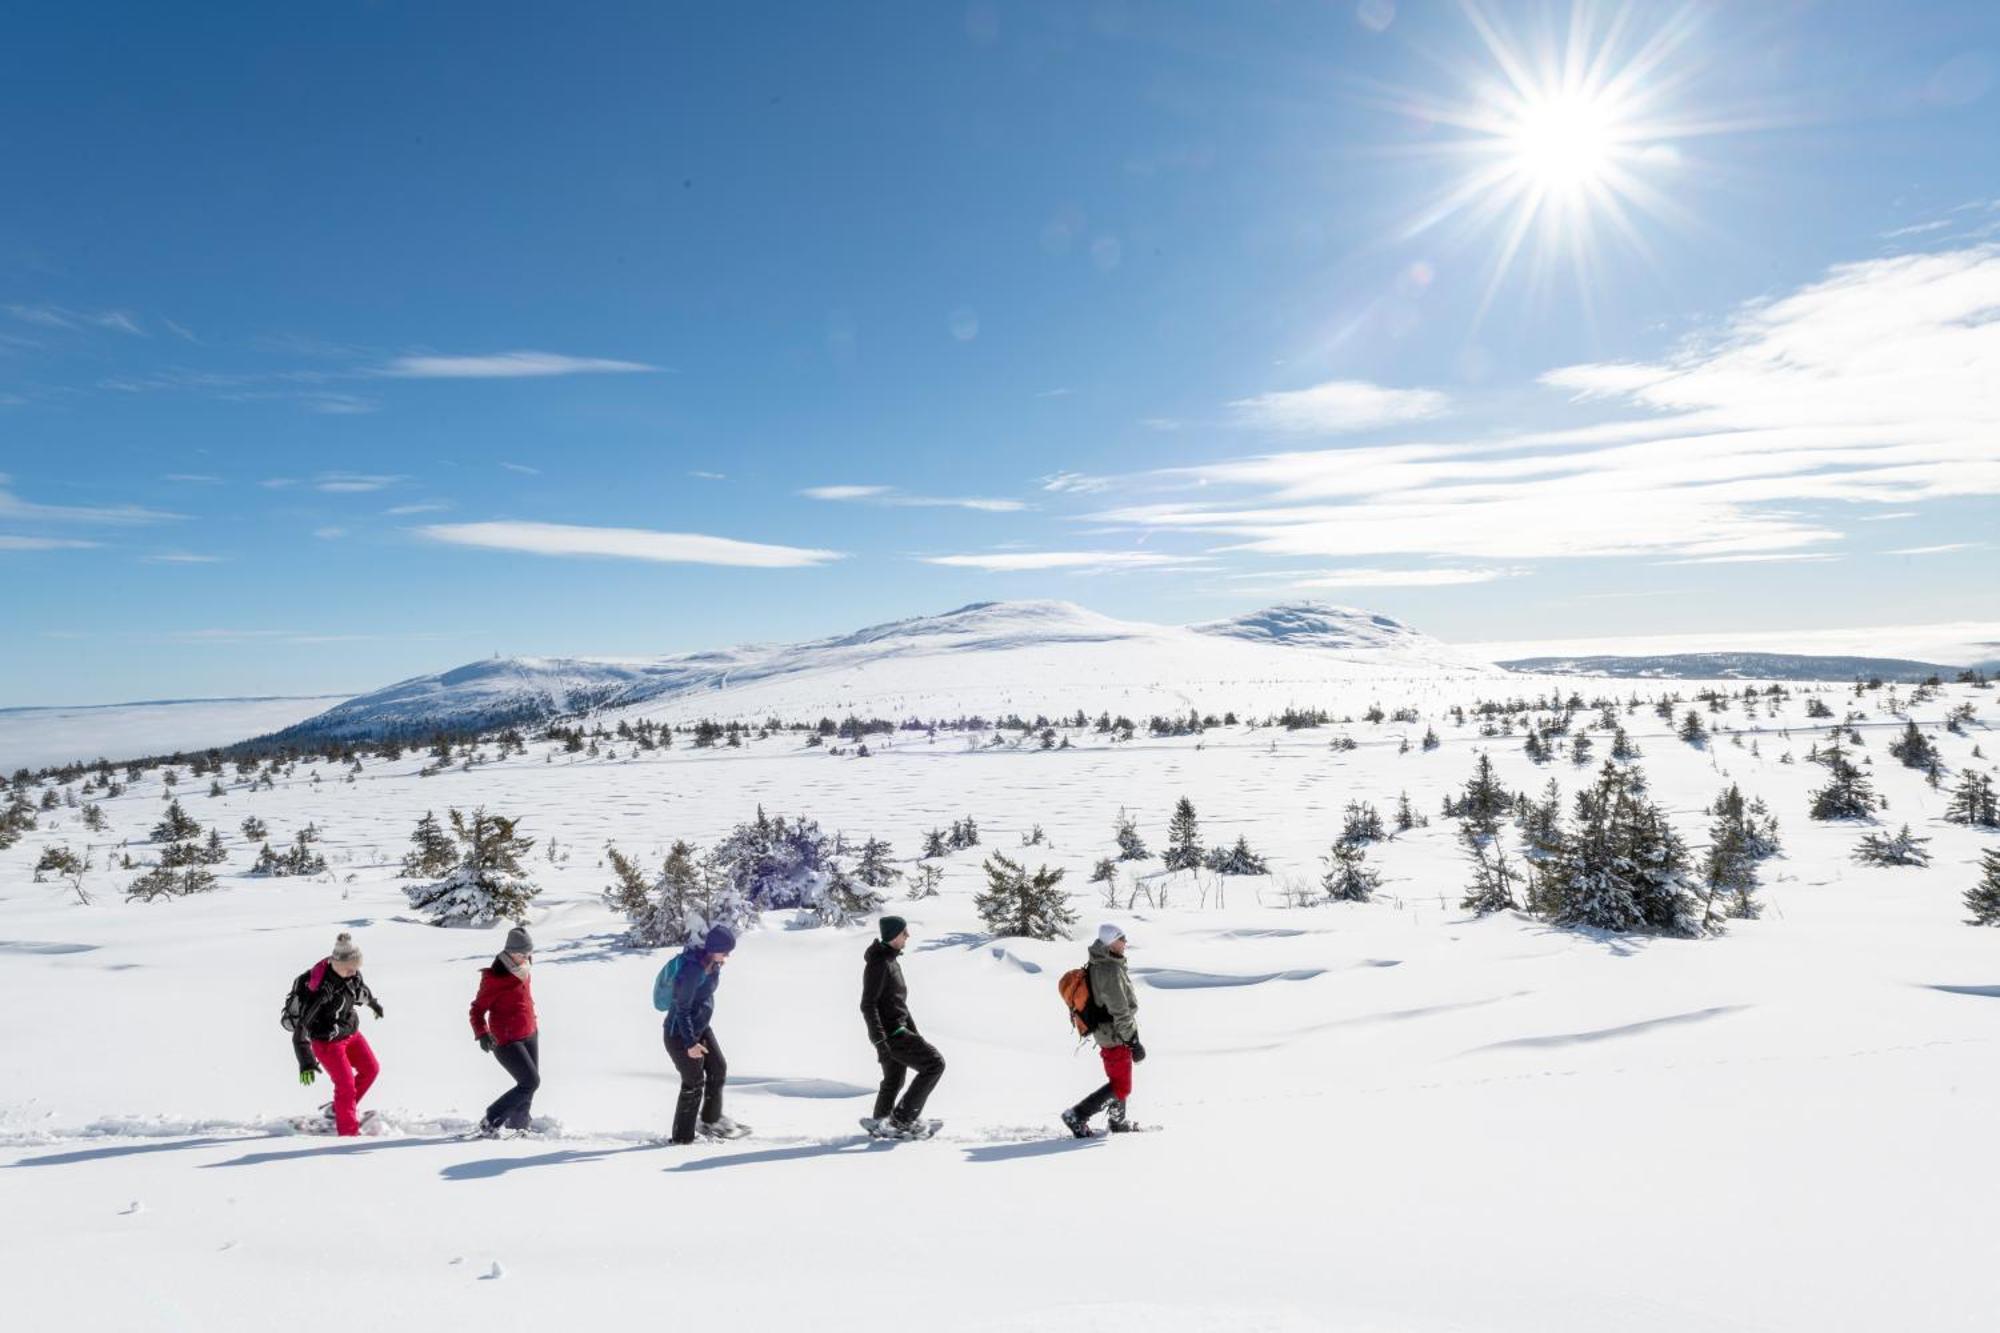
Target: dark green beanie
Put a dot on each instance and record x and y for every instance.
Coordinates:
(891, 927)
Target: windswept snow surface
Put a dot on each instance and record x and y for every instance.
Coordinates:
(36, 738)
(1386, 1116)
(988, 658)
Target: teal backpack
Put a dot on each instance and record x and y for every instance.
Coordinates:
(663, 984)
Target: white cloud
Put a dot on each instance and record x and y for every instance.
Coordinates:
(12, 542)
(709, 476)
(1939, 549)
(1400, 578)
(889, 495)
(179, 558)
(353, 483)
(338, 404)
(1012, 562)
(624, 544)
(1074, 483)
(57, 317)
(1337, 407)
(1871, 387)
(15, 508)
(193, 478)
(507, 365)
(522, 468)
(404, 511)
(329, 533)
(1771, 558)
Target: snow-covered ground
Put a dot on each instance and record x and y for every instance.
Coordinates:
(36, 738)
(1385, 1116)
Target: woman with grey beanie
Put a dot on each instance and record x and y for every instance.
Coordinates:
(503, 1022)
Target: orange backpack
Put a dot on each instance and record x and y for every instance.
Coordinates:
(1085, 1013)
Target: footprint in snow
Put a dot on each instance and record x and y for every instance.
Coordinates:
(495, 1273)
(134, 1207)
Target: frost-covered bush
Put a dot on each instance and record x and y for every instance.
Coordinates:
(778, 863)
(690, 895)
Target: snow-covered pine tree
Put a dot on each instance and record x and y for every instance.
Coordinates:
(1847, 793)
(935, 845)
(844, 898)
(212, 851)
(1493, 878)
(873, 869)
(1914, 749)
(176, 825)
(1484, 800)
(432, 854)
(1016, 903)
(1620, 866)
(254, 830)
(1691, 729)
(1901, 848)
(488, 884)
(1183, 838)
(1105, 871)
(629, 892)
(1348, 878)
(1236, 860)
(1973, 801)
(964, 833)
(1361, 823)
(1983, 898)
(1131, 847)
(925, 881)
(57, 860)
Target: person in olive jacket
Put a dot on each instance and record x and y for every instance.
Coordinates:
(503, 1022)
(322, 1014)
(1117, 1035)
(898, 1046)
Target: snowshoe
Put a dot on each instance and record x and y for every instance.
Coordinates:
(722, 1129)
(892, 1128)
(1078, 1125)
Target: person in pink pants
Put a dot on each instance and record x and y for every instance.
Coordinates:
(323, 1015)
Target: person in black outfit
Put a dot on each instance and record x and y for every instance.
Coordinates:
(898, 1046)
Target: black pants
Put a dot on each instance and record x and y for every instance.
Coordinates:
(900, 1054)
(701, 1084)
(522, 1059)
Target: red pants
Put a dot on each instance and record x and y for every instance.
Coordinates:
(1118, 1068)
(352, 1066)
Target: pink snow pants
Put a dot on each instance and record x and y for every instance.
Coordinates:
(352, 1066)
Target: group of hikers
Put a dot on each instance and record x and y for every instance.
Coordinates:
(322, 1013)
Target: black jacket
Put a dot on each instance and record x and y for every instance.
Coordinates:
(885, 1000)
(326, 1007)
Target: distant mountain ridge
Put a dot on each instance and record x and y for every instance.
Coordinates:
(1728, 666)
(982, 656)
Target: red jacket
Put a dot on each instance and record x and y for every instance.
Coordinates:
(505, 1006)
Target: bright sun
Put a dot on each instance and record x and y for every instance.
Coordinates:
(1559, 138)
(1563, 142)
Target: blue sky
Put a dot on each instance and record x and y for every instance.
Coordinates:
(344, 342)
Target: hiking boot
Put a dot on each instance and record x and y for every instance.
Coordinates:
(1115, 1114)
(1077, 1124)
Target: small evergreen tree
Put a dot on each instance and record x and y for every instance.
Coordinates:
(254, 830)
(924, 882)
(488, 884)
(1131, 847)
(1104, 872)
(1019, 904)
(629, 892)
(1484, 800)
(175, 825)
(964, 834)
(1914, 749)
(432, 853)
(1691, 729)
(1983, 898)
(935, 845)
(1236, 860)
(1493, 879)
(1847, 793)
(1619, 866)
(1902, 848)
(1362, 823)
(1973, 801)
(1183, 838)
(873, 869)
(1348, 878)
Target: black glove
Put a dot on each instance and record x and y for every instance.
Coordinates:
(376, 1005)
(486, 1042)
(1138, 1048)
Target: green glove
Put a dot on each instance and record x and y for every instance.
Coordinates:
(306, 1077)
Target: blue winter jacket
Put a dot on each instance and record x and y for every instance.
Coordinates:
(694, 997)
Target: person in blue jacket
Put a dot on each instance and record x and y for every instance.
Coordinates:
(689, 984)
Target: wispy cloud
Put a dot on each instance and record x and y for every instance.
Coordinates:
(624, 544)
(507, 365)
(889, 495)
(522, 468)
(12, 507)
(330, 533)
(1870, 387)
(193, 478)
(1757, 558)
(1074, 483)
(428, 507)
(59, 317)
(179, 558)
(709, 476)
(1015, 562)
(354, 483)
(1939, 549)
(1400, 578)
(1338, 407)
(13, 542)
(338, 404)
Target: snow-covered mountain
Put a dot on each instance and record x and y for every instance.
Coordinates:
(989, 657)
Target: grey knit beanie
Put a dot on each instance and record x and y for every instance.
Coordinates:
(345, 950)
(519, 941)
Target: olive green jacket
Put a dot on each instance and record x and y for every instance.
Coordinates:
(1111, 987)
